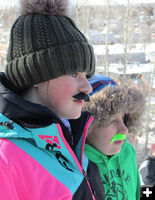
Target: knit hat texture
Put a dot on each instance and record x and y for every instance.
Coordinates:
(99, 81)
(45, 44)
(113, 99)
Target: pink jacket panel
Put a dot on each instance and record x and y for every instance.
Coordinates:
(26, 179)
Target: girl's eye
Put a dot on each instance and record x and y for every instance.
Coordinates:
(88, 76)
(74, 75)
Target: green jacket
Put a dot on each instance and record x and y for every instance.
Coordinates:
(119, 173)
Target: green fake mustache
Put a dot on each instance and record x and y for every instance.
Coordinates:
(118, 136)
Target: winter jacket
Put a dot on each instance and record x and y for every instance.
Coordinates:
(147, 171)
(39, 158)
(119, 173)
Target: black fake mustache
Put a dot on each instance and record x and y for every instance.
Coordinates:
(82, 96)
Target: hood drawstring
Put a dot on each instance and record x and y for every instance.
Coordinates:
(121, 178)
(103, 161)
(121, 175)
(107, 172)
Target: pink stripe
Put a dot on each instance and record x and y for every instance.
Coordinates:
(90, 189)
(22, 177)
(84, 138)
(71, 152)
(68, 147)
(83, 143)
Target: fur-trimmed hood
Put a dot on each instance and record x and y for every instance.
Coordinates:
(125, 99)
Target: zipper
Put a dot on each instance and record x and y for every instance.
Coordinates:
(90, 187)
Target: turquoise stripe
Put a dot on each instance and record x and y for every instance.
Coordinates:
(52, 131)
(78, 149)
(12, 133)
(37, 150)
(71, 180)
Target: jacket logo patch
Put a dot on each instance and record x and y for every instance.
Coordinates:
(51, 140)
(63, 161)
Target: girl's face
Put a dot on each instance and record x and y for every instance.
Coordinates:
(57, 94)
(100, 137)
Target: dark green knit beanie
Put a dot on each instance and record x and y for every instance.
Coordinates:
(45, 44)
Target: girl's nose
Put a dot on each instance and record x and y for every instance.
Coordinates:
(85, 86)
(123, 128)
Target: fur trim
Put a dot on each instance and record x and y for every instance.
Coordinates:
(44, 7)
(122, 99)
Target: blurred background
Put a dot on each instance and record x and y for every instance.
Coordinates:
(123, 36)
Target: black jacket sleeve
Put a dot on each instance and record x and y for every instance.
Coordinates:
(147, 171)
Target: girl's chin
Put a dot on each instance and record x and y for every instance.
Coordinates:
(113, 152)
(74, 116)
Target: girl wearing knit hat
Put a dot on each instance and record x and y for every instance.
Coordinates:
(117, 110)
(45, 83)
(147, 168)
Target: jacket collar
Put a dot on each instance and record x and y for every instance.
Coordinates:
(49, 137)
